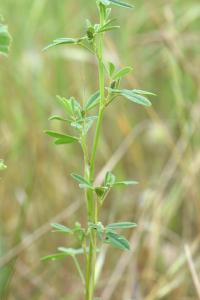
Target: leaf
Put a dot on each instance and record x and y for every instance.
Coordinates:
(108, 28)
(66, 104)
(54, 257)
(98, 227)
(64, 253)
(83, 183)
(132, 96)
(115, 2)
(92, 101)
(141, 92)
(75, 106)
(71, 251)
(58, 118)
(2, 165)
(5, 40)
(125, 183)
(109, 179)
(117, 240)
(79, 231)
(61, 228)
(84, 124)
(101, 190)
(62, 41)
(122, 4)
(89, 122)
(61, 138)
(65, 140)
(123, 72)
(121, 225)
(105, 2)
(111, 68)
(77, 125)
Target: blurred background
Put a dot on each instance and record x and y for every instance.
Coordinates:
(159, 147)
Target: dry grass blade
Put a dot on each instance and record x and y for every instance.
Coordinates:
(193, 271)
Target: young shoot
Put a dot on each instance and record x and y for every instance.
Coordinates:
(81, 119)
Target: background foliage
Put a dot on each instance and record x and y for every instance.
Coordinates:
(159, 147)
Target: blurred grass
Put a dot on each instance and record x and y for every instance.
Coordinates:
(160, 39)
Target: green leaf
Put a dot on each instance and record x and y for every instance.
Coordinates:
(66, 140)
(115, 2)
(109, 179)
(2, 165)
(111, 68)
(98, 227)
(133, 96)
(57, 118)
(108, 28)
(54, 257)
(141, 92)
(61, 228)
(105, 2)
(83, 183)
(121, 225)
(71, 251)
(77, 125)
(5, 40)
(62, 41)
(66, 104)
(79, 231)
(117, 240)
(61, 138)
(88, 122)
(125, 183)
(64, 253)
(92, 101)
(123, 72)
(76, 108)
(122, 4)
(101, 191)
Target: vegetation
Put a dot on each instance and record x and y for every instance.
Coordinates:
(158, 146)
(80, 119)
(5, 40)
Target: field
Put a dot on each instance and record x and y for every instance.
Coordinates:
(159, 147)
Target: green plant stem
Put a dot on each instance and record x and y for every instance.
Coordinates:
(79, 269)
(92, 203)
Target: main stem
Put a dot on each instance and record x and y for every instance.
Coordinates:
(92, 205)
